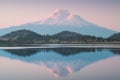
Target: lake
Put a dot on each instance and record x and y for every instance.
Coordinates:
(59, 63)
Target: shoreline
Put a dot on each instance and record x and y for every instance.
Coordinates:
(33, 46)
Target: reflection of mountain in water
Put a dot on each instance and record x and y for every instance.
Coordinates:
(60, 61)
(63, 68)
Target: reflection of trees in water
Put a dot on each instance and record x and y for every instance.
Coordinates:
(115, 51)
(61, 51)
(22, 52)
(72, 51)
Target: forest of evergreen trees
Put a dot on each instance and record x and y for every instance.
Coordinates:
(65, 37)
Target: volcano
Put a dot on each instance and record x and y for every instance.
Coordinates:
(62, 20)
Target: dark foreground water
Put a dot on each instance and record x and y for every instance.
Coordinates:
(60, 64)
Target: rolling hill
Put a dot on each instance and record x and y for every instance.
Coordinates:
(22, 36)
(115, 37)
(27, 36)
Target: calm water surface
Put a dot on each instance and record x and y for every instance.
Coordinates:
(60, 64)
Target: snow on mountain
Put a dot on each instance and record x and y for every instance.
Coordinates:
(63, 17)
(62, 20)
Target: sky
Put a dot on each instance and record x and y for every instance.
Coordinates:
(105, 13)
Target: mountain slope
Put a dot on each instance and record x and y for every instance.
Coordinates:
(62, 20)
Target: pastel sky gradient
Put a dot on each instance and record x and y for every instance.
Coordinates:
(105, 13)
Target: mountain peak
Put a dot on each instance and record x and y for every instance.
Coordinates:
(63, 17)
(59, 12)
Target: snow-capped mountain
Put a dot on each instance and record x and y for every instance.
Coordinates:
(62, 20)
